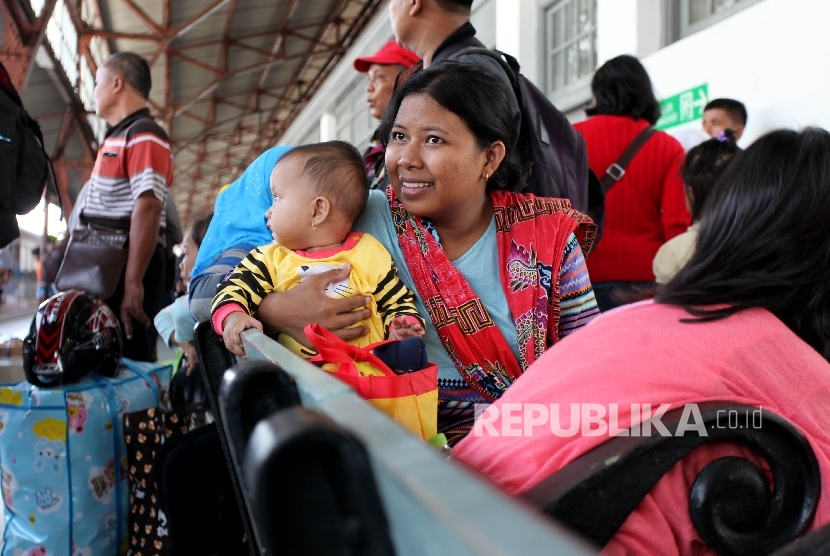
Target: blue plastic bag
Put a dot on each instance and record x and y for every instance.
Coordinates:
(62, 459)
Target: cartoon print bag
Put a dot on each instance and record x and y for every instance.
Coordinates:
(145, 432)
(410, 398)
(62, 458)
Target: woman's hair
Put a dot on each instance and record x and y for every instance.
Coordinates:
(473, 93)
(704, 165)
(621, 87)
(764, 240)
(199, 229)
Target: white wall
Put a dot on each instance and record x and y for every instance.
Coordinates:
(771, 56)
(616, 28)
(308, 125)
(518, 32)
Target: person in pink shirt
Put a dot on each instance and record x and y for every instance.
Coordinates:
(744, 322)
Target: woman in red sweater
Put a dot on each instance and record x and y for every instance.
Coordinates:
(645, 208)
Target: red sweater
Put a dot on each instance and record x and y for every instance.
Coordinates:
(643, 210)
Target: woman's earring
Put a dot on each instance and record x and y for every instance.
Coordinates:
(487, 177)
(313, 227)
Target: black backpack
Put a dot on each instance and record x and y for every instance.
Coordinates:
(551, 148)
(23, 160)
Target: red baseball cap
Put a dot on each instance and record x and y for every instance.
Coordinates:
(390, 53)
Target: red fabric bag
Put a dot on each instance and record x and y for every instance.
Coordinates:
(410, 398)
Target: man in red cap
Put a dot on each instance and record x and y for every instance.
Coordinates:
(383, 67)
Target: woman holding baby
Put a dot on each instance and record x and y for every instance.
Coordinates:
(501, 276)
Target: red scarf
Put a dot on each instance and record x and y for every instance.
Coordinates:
(531, 234)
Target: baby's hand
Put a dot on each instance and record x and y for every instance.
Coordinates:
(233, 327)
(404, 327)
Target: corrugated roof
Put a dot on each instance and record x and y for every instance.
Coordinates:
(230, 75)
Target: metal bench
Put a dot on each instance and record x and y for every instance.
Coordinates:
(431, 505)
(425, 504)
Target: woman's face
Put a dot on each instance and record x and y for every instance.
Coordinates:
(436, 167)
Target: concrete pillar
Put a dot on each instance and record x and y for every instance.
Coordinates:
(650, 21)
(328, 127)
(519, 32)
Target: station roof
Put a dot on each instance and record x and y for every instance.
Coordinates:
(229, 76)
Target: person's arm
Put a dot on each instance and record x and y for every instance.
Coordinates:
(248, 284)
(183, 322)
(203, 287)
(233, 326)
(74, 219)
(675, 216)
(291, 311)
(666, 264)
(394, 299)
(577, 304)
(144, 227)
(173, 223)
(149, 167)
(165, 325)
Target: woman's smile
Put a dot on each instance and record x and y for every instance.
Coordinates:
(414, 189)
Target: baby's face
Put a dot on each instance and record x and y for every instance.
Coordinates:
(289, 217)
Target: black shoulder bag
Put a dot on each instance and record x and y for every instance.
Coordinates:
(616, 171)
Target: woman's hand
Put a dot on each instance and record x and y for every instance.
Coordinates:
(291, 311)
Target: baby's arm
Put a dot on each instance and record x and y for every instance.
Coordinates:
(251, 280)
(396, 306)
(233, 327)
(238, 298)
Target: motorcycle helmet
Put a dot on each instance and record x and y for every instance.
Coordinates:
(71, 335)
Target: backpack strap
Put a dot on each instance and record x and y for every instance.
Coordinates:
(505, 60)
(616, 171)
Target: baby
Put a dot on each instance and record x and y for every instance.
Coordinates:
(704, 164)
(319, 191)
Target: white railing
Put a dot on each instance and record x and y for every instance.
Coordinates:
(434, 506)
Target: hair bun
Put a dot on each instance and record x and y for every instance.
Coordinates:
(726, 136)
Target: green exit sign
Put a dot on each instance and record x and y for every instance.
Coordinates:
(683, 107)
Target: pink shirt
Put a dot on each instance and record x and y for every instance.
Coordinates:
(639, 354)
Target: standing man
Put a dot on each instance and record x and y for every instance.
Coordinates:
(128, 190)
(724, 113)
(383, 68)
(435, 30)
